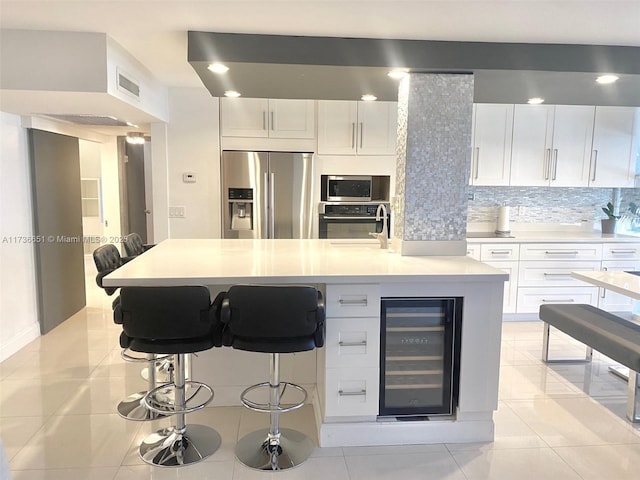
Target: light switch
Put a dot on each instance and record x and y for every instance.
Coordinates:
(189, 177)
(176, 212)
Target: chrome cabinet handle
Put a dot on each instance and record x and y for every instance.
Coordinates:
(616, 252)
(273, 120)
(264, 120)
(272, 207)
(342, 393)
(353, 135)
(559, 300)
(555, 164)
(361, 132)
(595, 165)
(547, 163)
(363, 301)
(557, 274)
(477, 172)
(363, 343)
(500, 252)
(561, 252)
(604, 290)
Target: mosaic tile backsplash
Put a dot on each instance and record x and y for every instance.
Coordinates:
(547, 205)
(435, 113)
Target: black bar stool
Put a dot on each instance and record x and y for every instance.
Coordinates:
(275, 320)
(107, 258)
(133, 245)
(173, 320)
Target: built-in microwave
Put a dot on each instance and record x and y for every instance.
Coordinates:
(349, 188)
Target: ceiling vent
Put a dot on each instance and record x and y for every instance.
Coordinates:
(94, 120)
(127, 85)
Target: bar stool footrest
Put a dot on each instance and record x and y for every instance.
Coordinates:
(152, 402)
(267, 407)
(133, 408)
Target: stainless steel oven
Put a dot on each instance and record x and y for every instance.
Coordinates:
(349, 220)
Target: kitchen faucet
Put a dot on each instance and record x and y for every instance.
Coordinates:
(383, 235)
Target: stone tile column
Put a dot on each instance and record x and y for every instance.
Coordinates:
(433, 165)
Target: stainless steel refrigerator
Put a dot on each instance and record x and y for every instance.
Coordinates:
(266, 194)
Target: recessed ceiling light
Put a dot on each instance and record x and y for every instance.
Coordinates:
(398, 73)
(604, 79)
(218, 68)
(135, 138)
(535, 101)
(231, 93)
(367, 97)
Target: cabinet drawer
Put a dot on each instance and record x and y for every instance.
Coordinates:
(541, 274)
(510, 286)
(561, 251)
(499, 252)
(353, 300)
(530, 299)
(473, 250)
(351, 392)
(353, 342)
(612, 301)
(621, 251)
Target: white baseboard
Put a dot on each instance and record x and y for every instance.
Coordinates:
(14, 344)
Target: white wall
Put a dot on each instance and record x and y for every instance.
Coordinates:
(18, 307)
(193, 146)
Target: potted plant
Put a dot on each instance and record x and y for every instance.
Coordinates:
(609, 223)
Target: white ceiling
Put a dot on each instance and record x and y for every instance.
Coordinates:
(155, 31)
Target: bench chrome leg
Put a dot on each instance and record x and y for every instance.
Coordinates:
(545, 349)
(633, 414)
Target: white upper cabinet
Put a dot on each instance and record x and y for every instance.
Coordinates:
(365, 128)
(615, 146)
(551, 145)
(492, 130)
(267, 118)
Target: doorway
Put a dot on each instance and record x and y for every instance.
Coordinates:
(135, 192)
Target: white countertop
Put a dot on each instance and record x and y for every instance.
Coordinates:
(620, 282)
(557, 236)
(216, 262)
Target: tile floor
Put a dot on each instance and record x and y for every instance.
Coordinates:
(57, 419)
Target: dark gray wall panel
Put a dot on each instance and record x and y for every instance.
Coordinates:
(55, 168)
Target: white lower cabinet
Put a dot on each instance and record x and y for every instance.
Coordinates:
(505, 257)
(352, 342)
(530, 298)
(544, 274)
(352, 350)
(351, 392)
(612, 301)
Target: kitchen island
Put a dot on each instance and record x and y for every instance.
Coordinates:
(355, 270)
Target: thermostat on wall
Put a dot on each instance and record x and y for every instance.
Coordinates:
(189, 177)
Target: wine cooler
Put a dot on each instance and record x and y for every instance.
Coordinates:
(420, 344)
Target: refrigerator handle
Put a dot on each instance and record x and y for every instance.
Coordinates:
(266, 209)
(272, 206)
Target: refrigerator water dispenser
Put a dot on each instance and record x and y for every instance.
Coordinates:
(241, 208)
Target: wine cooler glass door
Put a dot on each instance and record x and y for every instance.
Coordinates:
(417, 356)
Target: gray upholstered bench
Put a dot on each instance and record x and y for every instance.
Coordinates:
(615, 337)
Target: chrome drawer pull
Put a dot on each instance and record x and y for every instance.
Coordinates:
(500, 252)
(560, 300)
(561, 252)
(557, 274)
(342, 393)
(352, 302)
(614, 252)
(363, 343)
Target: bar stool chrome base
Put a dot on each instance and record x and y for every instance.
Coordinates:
(171, 448)
(255, 451)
